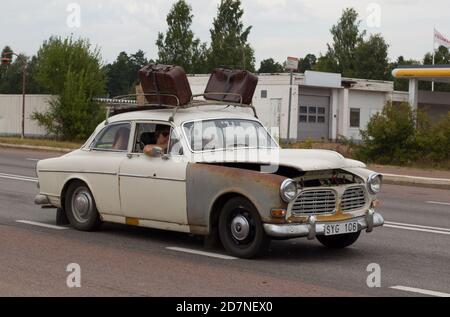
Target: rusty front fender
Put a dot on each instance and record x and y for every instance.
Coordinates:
(206, 184)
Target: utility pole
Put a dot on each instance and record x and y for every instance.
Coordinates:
(291, 65)
(6, 60)
(289, 109)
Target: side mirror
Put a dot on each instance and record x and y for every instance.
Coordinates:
(156, 152)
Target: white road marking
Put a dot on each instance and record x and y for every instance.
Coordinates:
(212, 255)
(420, 291)
(415, 226)
(438, 203)
(39, 224)
(19, 177)
(416, 229)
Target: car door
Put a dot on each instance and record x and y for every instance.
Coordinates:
(102, 163)
(153, 188)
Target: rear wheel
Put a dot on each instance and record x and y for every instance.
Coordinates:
(241, 230)
(339, 241)
(80, 207)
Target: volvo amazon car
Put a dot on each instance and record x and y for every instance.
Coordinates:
(209, 171)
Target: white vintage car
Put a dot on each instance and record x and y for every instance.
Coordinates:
(222, 175)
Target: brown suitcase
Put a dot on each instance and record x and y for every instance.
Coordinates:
(163, 80)
(233, 83)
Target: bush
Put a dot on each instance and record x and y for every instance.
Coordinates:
(390, 136)
(399, 135)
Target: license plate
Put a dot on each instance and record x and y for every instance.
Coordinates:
(340, 228)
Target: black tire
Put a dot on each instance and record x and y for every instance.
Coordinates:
(247, 239)
(80, 207)
(339, 241)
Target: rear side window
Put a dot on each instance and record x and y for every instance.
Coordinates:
(113, 138)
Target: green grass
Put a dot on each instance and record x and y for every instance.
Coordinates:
(41, 142)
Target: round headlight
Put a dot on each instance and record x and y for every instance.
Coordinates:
(288, 190)
(374, 183)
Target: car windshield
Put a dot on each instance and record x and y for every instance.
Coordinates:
(225, 134)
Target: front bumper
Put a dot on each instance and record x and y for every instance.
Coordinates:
(312, 228)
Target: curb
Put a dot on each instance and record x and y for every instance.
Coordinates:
(35, 147)
(440, 183)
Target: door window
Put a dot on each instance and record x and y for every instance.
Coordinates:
(113, 138)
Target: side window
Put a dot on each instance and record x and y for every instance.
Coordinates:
(151, 134)
(355, 117)
(113, 138)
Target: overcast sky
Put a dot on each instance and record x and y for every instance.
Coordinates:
(280, 27)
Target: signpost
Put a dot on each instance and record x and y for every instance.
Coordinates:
(291, 66)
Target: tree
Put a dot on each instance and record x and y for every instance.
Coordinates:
(307, 63)
(352, 55)
(229, 38)
(371, 59)
(71, 70)
(178, 45)
(340, 57)
(11, 75)
(441, 57)
(122, 74)
(270, 66)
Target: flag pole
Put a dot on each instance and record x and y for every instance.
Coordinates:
(434, 45)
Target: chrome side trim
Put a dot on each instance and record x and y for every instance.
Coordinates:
(312, 229)
(78, 172)
(152, 177)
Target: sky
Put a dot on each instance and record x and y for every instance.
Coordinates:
(281, 28)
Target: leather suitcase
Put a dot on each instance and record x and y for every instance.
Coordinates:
(235, 82)
(165, 79)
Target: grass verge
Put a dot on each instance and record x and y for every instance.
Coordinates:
(40, 142)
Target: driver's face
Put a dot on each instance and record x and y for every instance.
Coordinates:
(163, 137)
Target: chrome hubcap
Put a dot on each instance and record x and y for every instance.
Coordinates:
(240, 228)
(82, 205)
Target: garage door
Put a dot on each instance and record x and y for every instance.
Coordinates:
(313, 120)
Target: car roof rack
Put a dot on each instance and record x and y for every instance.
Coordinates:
(129, 103)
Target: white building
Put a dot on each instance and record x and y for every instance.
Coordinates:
(324, 106)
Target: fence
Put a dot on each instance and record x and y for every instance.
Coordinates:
(11, 114)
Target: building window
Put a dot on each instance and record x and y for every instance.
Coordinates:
(263, 94)
(355, 115)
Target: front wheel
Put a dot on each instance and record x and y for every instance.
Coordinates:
(339, 241)
(80, 207)
(241, 230)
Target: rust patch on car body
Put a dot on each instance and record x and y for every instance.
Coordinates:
(206, 183)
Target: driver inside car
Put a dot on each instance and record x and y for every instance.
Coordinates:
(162, 136)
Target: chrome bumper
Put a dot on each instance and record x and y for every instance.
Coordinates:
(41, 200)
(312, 228)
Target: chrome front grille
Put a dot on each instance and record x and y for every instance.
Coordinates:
(316, 201)
(353, 198)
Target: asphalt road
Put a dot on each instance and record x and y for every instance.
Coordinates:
(412, 251)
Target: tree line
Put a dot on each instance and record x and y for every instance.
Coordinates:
(72, 68)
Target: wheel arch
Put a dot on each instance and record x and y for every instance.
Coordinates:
(66, 186)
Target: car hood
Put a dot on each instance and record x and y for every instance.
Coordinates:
(304, 160)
